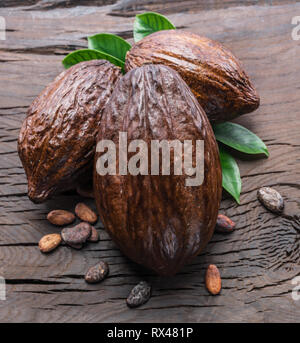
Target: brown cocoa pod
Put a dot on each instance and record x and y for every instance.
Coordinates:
(49, 242)
(213, 73)
(213, 280)
(97, 273)
(79, 234)
(157, 220)
(224, 224)
(60, 217)
(57, 139)
(271, 199)
(85, 213)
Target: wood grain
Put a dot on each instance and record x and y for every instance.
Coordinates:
(257, 262)
(127, 8)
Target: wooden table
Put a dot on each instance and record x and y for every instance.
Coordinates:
(257, 262)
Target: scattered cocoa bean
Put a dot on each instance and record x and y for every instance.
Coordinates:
(213, 280)
(77, 234)
(97, 273)
(60, 217)
(85, 213)
(94, 237)
(139, 295)
(224, 224)
(271, 199)
(49, 242)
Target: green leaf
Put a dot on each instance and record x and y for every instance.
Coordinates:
(87, 55)
(231, 180)
(109, 44)
(240, 138)
(150, 22)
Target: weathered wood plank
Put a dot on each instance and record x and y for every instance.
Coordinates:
(257, 261)
(128, 8)
(52, 4)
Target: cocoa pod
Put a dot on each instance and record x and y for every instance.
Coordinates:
(57, 139)
(271, 199)
(85, 213)
(157, 220)
(139, 295)
(97, 273)
(213, 73)
(224, 224)
(49, 242)
(60, 217)
(77, 235)
(213, 280)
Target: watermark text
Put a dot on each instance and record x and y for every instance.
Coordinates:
(296, 29)
(296, 290)
(166, 157)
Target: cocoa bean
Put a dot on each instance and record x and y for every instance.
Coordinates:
(224, 224)
(213, 280)
(77, 234)
(94, 237)
(139, 295)
(85, 213)
(271, 199)
(49, 242)
(97, 273)
(60, 217)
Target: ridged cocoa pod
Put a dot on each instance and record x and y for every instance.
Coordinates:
(57, 140)
(214, 75)
(158, 221)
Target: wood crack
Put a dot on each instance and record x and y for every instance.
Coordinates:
(33, 282)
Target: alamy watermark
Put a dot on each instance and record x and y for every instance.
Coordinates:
(296, 29)
(2, 28)
(296, 290)
(2, 288)
(138, 164)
